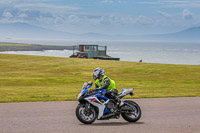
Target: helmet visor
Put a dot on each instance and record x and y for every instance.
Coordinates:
(95, 75)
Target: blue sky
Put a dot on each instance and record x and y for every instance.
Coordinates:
(104, 16)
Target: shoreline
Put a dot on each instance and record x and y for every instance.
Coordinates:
(30, 47)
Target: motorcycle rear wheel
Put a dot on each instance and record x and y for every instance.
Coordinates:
(132, 116)
(86, 117)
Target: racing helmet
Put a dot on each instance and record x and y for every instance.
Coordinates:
(98, 72)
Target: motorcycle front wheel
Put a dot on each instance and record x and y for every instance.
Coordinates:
(86, 116)
(132, 116)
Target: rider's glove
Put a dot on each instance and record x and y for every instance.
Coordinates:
(90, 83)
(91, 90)
(98, 88)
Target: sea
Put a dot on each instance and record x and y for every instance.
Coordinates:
(184, 53)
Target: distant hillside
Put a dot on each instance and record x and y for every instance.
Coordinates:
(23, 30)
(191, 34)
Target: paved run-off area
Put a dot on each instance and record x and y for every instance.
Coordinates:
(161, 115)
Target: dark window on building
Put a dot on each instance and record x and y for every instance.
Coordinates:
(94, 48)
(87, 48)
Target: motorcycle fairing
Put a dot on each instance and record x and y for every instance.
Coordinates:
(125, 92)
(101, 106)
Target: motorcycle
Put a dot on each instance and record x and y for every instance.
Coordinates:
(94, 105)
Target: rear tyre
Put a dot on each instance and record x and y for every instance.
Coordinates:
(132, 116)
(86, 117)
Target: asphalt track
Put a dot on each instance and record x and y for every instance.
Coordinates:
(162, 115)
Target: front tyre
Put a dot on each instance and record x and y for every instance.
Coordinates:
(135, 114)
(86, 116)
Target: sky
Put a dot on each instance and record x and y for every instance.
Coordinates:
(123, 17)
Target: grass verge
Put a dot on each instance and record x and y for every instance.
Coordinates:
(26, 78)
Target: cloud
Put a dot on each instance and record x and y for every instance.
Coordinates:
(33, 11)
(46, 20)
(122, 2)
(22, 1)
(65, 17)
(107, 1)
(152, 3)
(172, 3)
(22, 15)
(187, 14)
(7, 15)
(164, 14)
(74, 18)
(42, 7)
(144, 20)
(114, 1)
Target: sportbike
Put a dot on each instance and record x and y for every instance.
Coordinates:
(95, 105)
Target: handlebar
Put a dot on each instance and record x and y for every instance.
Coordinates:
(87, 85)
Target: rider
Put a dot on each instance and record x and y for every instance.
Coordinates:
(104, 82)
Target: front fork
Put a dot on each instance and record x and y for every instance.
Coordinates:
(87, 107)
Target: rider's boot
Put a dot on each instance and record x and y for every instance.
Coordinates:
(118, 101)
(121, 103)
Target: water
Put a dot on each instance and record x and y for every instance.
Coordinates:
(168, 53)
(150, 52)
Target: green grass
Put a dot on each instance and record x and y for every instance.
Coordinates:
(36, 78)
(13, 44)
(29, 47)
